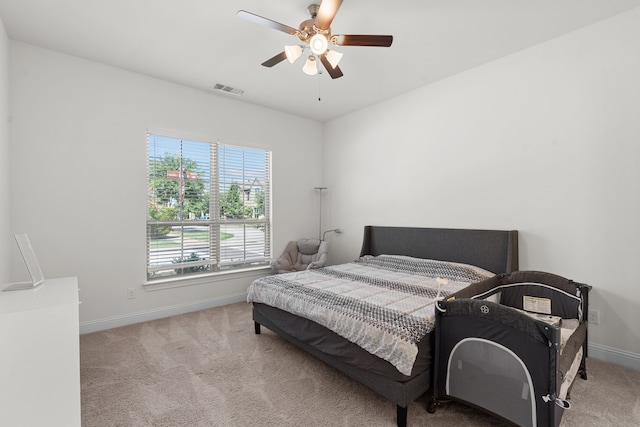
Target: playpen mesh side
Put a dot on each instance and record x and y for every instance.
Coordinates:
(485, 345)
(492, 377)
(497, 325)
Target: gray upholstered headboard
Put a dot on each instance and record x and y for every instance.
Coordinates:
(493, 250)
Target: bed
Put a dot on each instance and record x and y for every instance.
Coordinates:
(513, 345)
(434, 256)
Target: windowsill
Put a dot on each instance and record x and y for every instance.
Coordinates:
(177, 282)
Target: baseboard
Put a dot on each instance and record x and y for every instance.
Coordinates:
(619, 357)
(145, 316)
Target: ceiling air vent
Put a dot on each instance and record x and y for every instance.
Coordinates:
(227, 89)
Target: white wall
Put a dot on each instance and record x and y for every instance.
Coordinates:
(5, 217)
(79, 175)
(545, 141)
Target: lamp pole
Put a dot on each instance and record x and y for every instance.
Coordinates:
(320, 214)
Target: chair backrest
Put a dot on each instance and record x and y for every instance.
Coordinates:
(308, 250)
(301, 255)
(308, 246)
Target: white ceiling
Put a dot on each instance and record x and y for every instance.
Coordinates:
(199, 43)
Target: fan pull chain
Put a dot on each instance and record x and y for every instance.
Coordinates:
(319, 97)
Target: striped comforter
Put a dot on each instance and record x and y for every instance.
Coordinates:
(384, 303)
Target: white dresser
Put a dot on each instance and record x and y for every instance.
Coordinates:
(40, 356)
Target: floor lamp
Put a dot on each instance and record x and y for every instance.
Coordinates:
(320, 214)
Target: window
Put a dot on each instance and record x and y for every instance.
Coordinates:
(208, 207)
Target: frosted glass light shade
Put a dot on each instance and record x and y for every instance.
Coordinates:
(319, 44)
(333, 57)
(293, 53)
(310, 68)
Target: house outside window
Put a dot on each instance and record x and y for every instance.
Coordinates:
(208, 207)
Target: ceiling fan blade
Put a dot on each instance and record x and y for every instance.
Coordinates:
(326, 13)
(333, 72)
(362, 40)
(266, 21)
(275, 60)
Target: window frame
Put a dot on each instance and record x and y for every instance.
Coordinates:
(216, 263)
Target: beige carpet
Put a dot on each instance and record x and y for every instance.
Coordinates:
(208, 368)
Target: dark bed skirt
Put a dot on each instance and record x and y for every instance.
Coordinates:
(373, 372)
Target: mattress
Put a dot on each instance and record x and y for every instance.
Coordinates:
(381, 304)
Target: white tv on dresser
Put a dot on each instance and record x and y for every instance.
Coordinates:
(40, 355)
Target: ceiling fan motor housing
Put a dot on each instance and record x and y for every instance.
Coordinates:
(308, 29)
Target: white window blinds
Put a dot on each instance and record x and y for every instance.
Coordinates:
(208, 207)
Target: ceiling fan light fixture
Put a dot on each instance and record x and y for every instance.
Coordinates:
(293, 52)
(319, 44)
(315, 33)
(310, 67)
(333, 57)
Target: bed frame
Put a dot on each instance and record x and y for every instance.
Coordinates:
(493, 250)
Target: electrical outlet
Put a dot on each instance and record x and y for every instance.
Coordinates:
(594, 317)
(131, 293)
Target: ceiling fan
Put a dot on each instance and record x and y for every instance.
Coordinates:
(315, 34)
